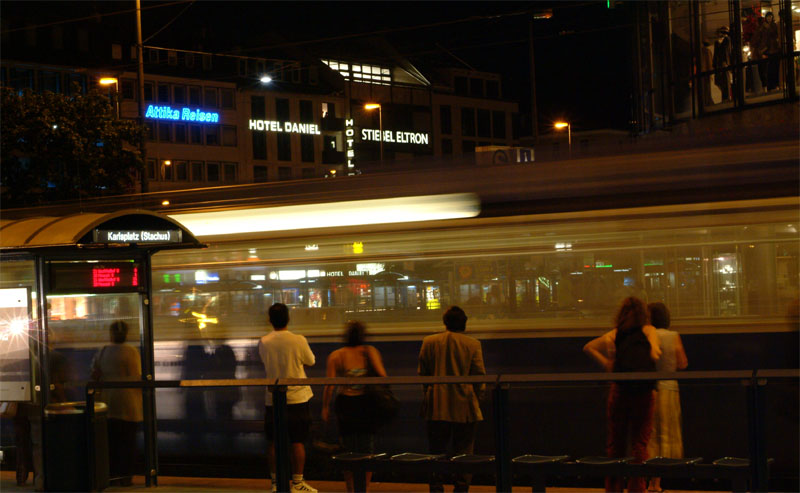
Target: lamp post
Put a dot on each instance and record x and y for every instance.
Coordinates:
(107, 81)
(370, 107)
(560, 125)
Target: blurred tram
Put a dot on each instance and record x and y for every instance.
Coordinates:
(539, 268)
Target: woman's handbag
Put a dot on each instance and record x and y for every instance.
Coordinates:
(383, 404)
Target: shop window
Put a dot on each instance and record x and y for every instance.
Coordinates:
(446, 117)
(181, 170)
(179, 94)
(229, 136)
(284, 147)
(194, 95)
(282, 110)
(58, 38)
(476, 88)
(163, 93)
(229, 172)
(49, 81)
(227, 101)
(284, 173)
(468, 122)
(460, 85)
(306, 111)
(212, 171)
(484, 126)
(498, 124)
(148, 91)
(164, 132)
(468, 147)
(116, 51)
(198, 169)
(210, 97)
(447, 146)
(307, 148)
(129, 89)
(259, 144)
(150, 130)
(151, 169)
(195, 134)
(257, 108)
(492, 89)
(260, 174)
(180, 133)
(212, 135)
(166, 171)
(307, 173)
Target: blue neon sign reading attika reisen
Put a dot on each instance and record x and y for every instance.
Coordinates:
(183, 114)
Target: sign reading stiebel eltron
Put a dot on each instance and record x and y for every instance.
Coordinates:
(287, 127)
(137, 236)
(397, 136)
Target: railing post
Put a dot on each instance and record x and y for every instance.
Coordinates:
(756, 437)
(503, 454)
(280, 430)
(88, 414)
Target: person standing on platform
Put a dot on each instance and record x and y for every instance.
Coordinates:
(285, 355)
(667, 438)
(630, 404)
(357, 425)
(120, 361)
(452, 411)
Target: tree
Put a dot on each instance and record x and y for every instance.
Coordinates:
(64, 147)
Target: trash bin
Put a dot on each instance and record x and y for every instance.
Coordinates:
(66, 454)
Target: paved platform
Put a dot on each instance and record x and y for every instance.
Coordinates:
(212, 485)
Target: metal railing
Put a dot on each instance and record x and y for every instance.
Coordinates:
(754, 380)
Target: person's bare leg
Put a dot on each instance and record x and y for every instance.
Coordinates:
(298, 458)
(348, 481)
(369, 478)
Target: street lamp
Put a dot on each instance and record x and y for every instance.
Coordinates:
(560, 125)
(370, 107)
(107, 81)
(265, 79)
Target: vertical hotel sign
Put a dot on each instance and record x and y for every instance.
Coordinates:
(350, 135)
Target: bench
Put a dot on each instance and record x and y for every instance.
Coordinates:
(411, 463)
(539, 467)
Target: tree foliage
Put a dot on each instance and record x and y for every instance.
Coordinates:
(64, 147)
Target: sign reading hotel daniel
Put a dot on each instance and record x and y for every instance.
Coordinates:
(184, 114)
(287, 127)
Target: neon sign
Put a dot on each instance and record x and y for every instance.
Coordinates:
(287, 127)
(350, 133)
(397, 137)
(183, 114)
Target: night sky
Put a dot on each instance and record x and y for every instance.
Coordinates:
(583, 52)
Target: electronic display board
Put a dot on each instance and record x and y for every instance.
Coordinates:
(95, 277)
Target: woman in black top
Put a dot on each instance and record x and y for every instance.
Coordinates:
(631, 347)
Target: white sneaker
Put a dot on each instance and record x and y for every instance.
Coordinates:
(302, 487)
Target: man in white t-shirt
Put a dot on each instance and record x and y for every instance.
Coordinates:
(284, 355)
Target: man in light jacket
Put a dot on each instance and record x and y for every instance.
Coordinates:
(452, 411)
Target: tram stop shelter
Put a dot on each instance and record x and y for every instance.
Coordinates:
(63, 281)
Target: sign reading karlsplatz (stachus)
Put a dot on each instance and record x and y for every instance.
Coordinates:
(288, 127)
(183, 114)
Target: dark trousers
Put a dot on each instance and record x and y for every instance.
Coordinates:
(22, 439)
(630, 422)
(121, 447)
(440, 434)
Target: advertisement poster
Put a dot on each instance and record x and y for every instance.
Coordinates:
(15, 327)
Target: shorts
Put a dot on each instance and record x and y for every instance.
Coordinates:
(299, 417)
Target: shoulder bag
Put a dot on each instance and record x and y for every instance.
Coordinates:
(382, 402)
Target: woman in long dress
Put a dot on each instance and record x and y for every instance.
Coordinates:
(666, 439)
